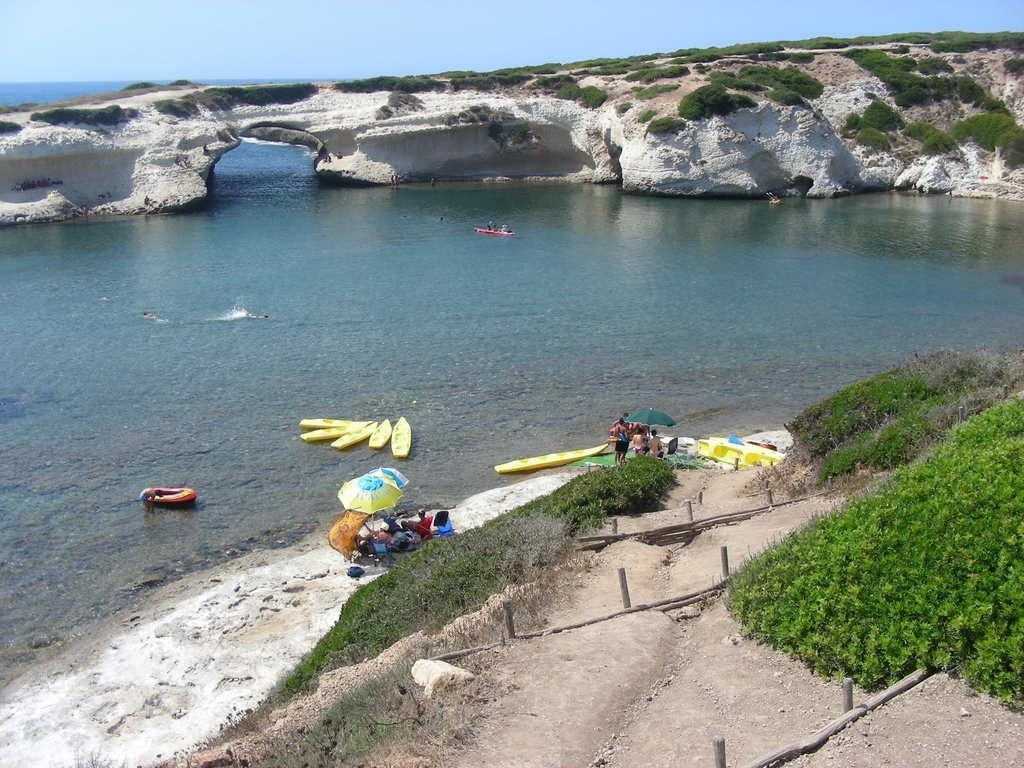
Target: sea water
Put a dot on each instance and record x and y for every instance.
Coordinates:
(729, 315)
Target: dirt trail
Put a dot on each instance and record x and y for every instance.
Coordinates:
(648, 690)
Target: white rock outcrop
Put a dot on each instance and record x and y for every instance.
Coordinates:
(156, 162)
(438, 676)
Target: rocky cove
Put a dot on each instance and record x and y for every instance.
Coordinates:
(150, 158)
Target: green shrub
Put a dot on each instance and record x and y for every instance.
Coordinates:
(789, 98)
(933, 141)
(994, 130)
(592, 96)
(181, 82)
(852, 124)
(446, 578)
(784, 79)
(962, 42)
(925, 573)
(488, 82)
(897, 73)
(969, 92)
(873, 138)
(554, 83)
(646, 115)
(262, 95)
(650, 74)
(651, 91)
(416, 84)
(624, 107)
(176, 107)
(711, 100)
(881, 117)
(139, 86)
(1014, 66)
(800, 58)
(664, 125)
(111, 115)
(933, 65)
(6, 126)
(729, 80)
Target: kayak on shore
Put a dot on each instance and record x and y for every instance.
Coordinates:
(496, 232)
(548, 460)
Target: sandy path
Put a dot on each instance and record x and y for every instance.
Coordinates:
(644, 690)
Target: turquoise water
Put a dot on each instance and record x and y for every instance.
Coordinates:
(382, 303)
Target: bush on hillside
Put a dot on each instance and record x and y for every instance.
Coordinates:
(652, 91)
(646, 115)
(6, 126)
(140, 86)
(881, 117)
(730, 80)
(711, 100)
(933, 65)
(416, 84)
(650, 74)
(897, 73)
(446, 578)
(994, 130)
(261, 95)
(969, 92)
(786, 97)
(664, 124)
(1014, 66)
(488, 82)
(590, 96)
(112, 115)
(624, 107)
(864, 422)
(181, 82)
(924, 573)
(784, 79)
(933, 141)
(872, 138)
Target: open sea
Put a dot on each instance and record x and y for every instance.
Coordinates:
(729, 315)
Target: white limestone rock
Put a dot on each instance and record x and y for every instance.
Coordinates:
(438, 676)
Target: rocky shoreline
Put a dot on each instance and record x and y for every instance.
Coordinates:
(164, 677)
(153, 161)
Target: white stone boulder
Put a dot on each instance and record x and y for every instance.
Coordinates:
(437, 676)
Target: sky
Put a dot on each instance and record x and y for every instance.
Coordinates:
(87, 40)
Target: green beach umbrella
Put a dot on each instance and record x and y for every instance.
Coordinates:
(651, 416)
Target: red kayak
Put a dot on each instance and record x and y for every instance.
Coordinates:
(498, 232)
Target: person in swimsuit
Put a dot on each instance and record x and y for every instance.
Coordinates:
(620, 433)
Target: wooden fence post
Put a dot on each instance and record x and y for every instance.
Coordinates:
(615, 525)
(510, 623)
(736, 464)
(689, 510)
(847, 695)
(960, 415)
(725, 561)
(718, 743)
(624, 588)
(700, 496)
(771, 501)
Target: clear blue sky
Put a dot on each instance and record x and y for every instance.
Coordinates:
(47, 40)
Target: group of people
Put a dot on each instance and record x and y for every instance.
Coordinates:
(405, 535)
(502, 228)
(640, 438)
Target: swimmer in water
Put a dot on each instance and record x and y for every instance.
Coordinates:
(149, 316)
(257, 317)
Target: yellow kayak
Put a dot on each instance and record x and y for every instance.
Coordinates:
(401, 439)
(356, 436)
(381, 435)
(548, 460)
(721, 449)
(329, 423)
(331, 433)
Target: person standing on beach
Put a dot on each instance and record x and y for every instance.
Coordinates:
(620, 433)
(654, 446)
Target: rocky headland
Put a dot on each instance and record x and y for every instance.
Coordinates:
(840, 125)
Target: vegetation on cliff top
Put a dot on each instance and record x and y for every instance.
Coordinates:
(889, 420)
(927, 572)
(710, 100)
(111, 115)
(993, 131)
(227, 97)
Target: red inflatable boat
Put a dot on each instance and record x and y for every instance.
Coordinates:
(167, 495)
(497, 232)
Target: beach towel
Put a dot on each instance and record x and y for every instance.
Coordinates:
(342, 535)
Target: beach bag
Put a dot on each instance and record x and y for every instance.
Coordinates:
(342, 535)
(355, 571)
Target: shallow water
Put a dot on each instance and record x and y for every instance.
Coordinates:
(382, 303)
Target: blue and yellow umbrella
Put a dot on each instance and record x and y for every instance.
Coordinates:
(369, 493)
